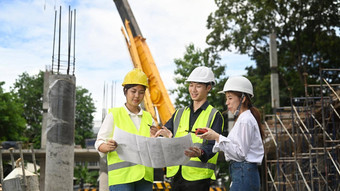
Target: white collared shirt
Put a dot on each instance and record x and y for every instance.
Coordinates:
(108, 124)
(244, 141)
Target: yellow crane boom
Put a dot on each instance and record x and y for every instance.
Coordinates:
(156, 95)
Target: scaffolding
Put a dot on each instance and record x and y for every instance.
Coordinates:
(303, 140)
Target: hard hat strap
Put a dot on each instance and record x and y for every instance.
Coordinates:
(250, 105)
(239, 106)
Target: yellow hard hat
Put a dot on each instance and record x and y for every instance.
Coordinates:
(136, 76)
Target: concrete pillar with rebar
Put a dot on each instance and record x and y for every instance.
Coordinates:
(60, 133)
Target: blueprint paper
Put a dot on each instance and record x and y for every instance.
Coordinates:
(152, 152)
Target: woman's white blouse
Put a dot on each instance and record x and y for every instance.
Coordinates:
(243, 142)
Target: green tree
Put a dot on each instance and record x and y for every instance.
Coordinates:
(193, 58)
(12, 124)
(84, 118)
(29, 91)
(83, 175)
(307, 39)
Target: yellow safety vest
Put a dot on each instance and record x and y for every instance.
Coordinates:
(120, 171)
(194, 169)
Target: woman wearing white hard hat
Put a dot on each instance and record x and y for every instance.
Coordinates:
(243, 147)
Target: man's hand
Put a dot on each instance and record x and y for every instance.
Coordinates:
(153, 131)
(193, 152)
(165, 132)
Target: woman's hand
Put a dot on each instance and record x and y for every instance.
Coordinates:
(209, 135)
(109, 146)
(165, 132)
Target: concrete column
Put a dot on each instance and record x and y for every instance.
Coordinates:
(43, 130)
(103, 178)
(45, 109)
(60, 133)
(42, 164)
(231, 121)
(274, 76)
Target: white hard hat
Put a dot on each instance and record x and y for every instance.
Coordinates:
(238, 84)
(202, 74)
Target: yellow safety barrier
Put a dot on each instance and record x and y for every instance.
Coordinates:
(217, 189)
(165, 186)
(88, 189)
(159, 186)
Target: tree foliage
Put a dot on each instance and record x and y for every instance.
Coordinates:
(83, 175)
(29, 91)
(193, 58)
(12, 124)
(307, 39)
(84, 118)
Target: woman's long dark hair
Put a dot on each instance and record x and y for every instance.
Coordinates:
(256, 113)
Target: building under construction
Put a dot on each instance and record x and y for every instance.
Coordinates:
(303, 140)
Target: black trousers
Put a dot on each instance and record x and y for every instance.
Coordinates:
(178, 183)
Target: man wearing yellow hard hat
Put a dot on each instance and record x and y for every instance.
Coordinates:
(123, 175)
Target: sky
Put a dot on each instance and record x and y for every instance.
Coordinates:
(26, 41)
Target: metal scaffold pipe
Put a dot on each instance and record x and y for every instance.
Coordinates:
(22, 166)
(1, 168)
(12, 157)
(33, 158)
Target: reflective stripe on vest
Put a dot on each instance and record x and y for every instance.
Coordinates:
(200, 165)
(119, 165)
(212, 113)
(178, 119)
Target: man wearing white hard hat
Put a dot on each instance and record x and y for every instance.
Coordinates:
(243, 147)
(198, 172)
